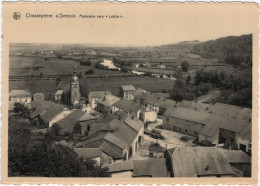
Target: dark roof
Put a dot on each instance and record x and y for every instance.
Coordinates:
(235, 156)
(134, 123)
(158, 100)
(198, 106)
(150, 167)
(70, 120)
(225, 110)
(87, 153)
(140, 168)
(51, 112)
(186, 114)
(138, 92)
(199, 161)
(39, 106)
(127, 105)
(128, 87)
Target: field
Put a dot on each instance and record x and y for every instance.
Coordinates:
(28, 66)
(48, 87)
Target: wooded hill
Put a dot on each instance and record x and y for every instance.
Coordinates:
(234, 50)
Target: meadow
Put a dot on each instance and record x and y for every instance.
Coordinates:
(34, 66)
(48, 87)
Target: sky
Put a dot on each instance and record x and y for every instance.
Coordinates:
(142, 24)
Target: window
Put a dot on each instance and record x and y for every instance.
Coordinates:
(185, 130)
(250, 145)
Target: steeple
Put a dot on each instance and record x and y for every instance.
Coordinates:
(74, 90)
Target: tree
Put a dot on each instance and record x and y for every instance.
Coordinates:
(20, 108)
(58, 80)
(91, 71)
(77, 128)
(188, 80)
(185, 66)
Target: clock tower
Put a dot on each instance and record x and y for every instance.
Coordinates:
(74, 90)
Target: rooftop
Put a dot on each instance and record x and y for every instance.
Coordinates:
(108, 100)
(98, 94)
(149, 167)
(87, 153)
(127, 105)
(200, 161)
(15, 93)
(70, 120)
(128, 87)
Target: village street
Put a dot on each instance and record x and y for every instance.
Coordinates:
(172, 140)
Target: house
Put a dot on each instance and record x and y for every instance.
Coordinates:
(38, 96)
(66, 125)
(231, 111)
(58, 117)
(156, 151)
(161, 66)
(147, 114)
(136, 94)
(137, 65)
(157, 102)
(198, 162)
(127, 106)
(126, 90)
(58, 95)
(105, 104)
(184, 120)
(37, 107)
(239, 160)
(48, 114)
(96, 95)
(116, 138)
(21, 96)
(227, 131)
(146, 64)
(95, 154)
(85, 122)
(139, 168)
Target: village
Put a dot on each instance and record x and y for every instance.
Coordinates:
(140, 133)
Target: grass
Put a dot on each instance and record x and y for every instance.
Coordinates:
(48, 87)
(26, 66)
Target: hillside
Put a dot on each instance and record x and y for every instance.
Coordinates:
(234, 50)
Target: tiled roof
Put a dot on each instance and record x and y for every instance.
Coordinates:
(134, 123)
(199, 161)
(108, 100)
(98, 94)
(225, 110)
(51, 112)
(186, 114)
(113, 139)
(140, 168)
(15, 93)
(128, 87)
(138, 92)
(87, 153)
(158, 100)
(198, 106)
(235, 156)
(70, 120)
(39, 107)
(127, 105)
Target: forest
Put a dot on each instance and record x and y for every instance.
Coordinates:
(233, 50)
(28, 157)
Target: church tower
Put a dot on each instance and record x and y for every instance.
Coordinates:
(74, 90)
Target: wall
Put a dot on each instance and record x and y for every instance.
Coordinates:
(229, 138)
(149, 116)
(245, 142)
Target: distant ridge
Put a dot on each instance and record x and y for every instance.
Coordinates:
(190, 42)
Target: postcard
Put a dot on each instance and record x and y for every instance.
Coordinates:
(110, 92)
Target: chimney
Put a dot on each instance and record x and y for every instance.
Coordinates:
(104, 98)
(132, 117)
